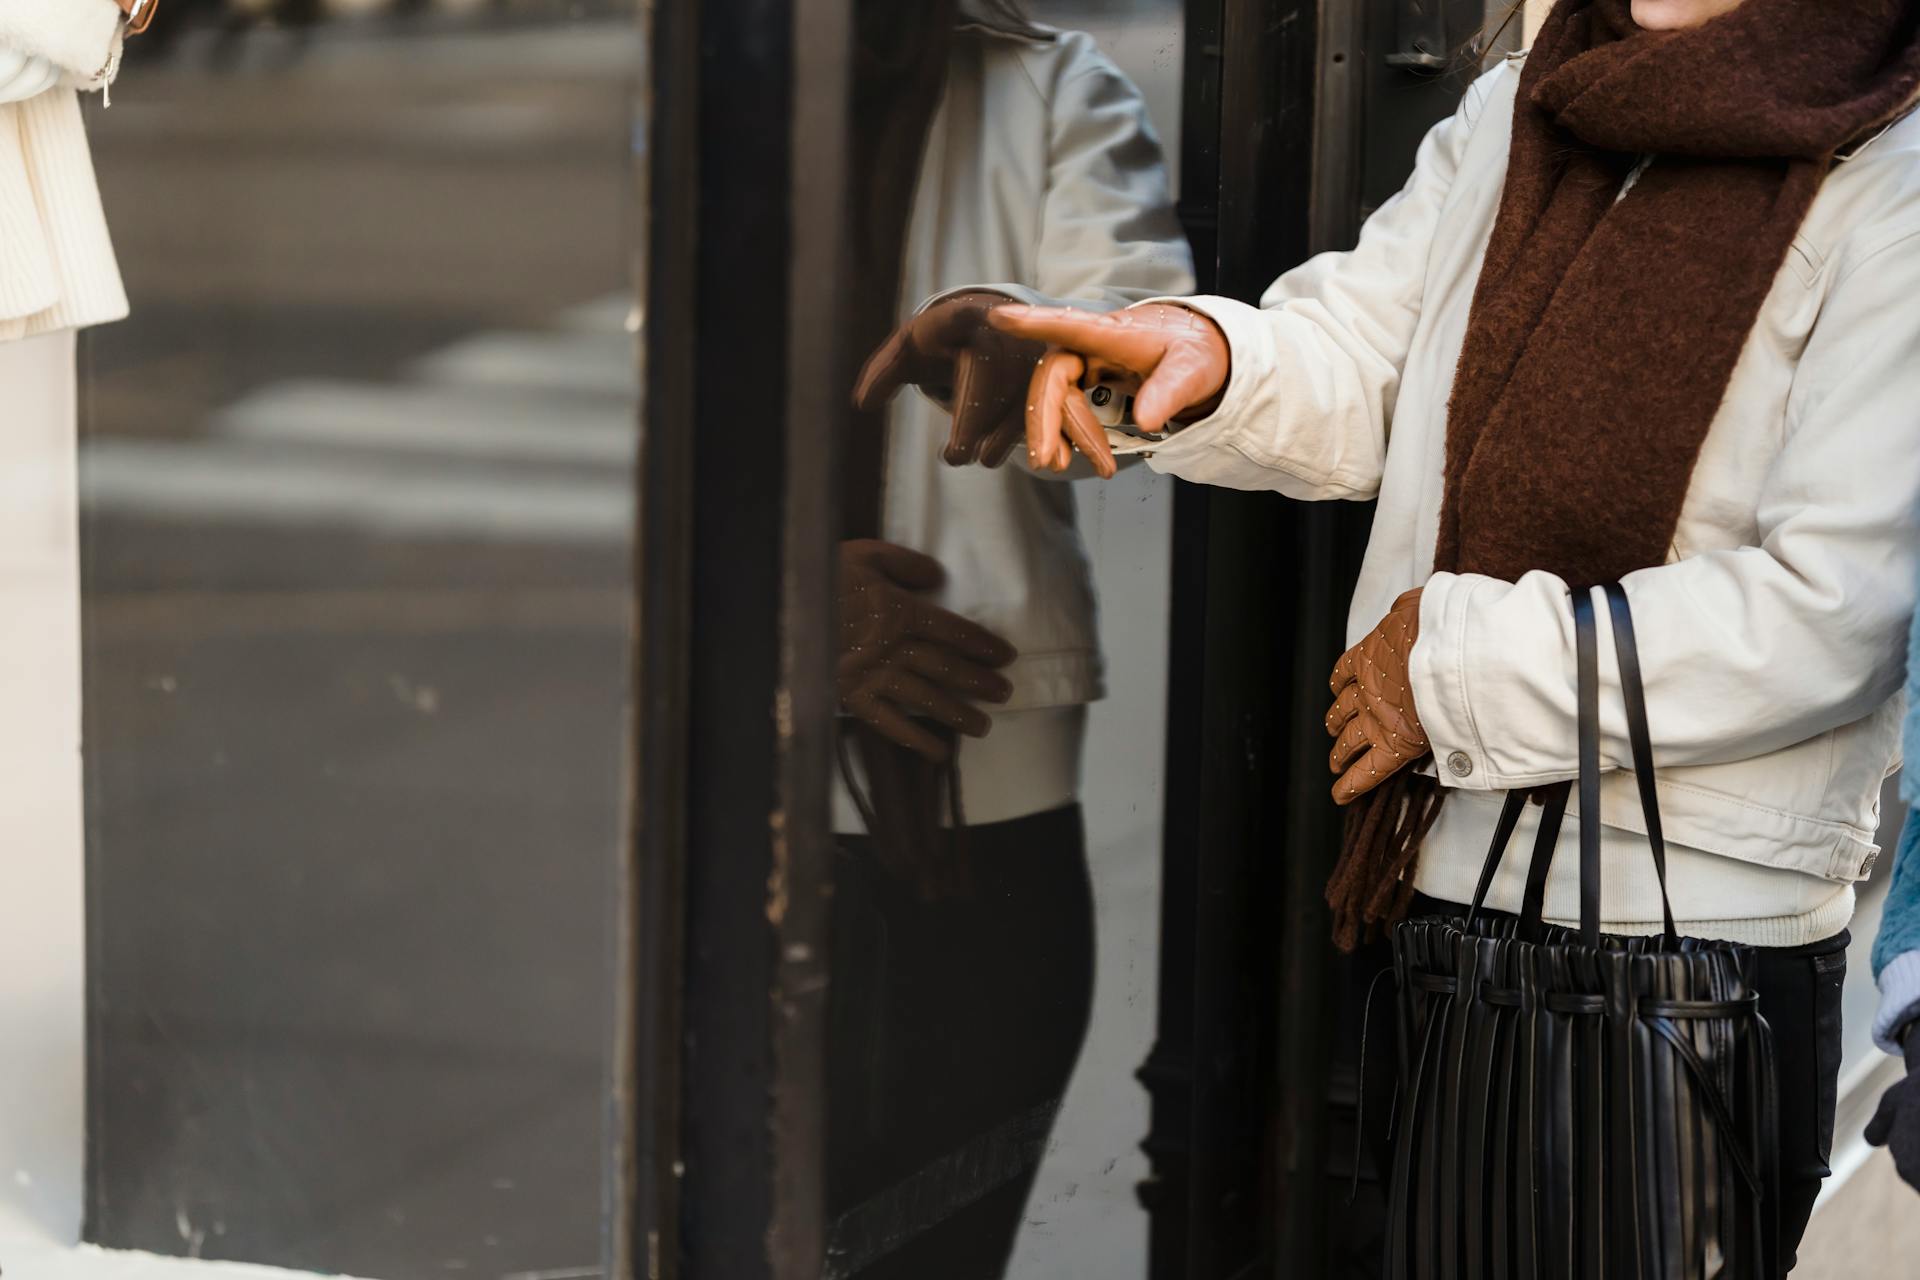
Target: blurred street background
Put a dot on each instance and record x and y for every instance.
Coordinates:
(357, 500)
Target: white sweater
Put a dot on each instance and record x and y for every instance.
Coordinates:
(57, 267)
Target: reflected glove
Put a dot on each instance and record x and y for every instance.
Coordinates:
(1896, 1125)
(904, 659)
(949, 351)
(1375, 728)
(1177, 358)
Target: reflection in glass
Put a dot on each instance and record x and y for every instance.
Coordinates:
(356, 488)
(992, 153)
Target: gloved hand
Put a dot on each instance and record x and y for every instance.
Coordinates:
(949, 351)
(902, 657)
(1375, 728)
(1896, 1125)
(1177, 358)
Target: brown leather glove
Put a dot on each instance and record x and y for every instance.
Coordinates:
(1375, 728)
(950, 352)
(1176, 357)
(902, 657)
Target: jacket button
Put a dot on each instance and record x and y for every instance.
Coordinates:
(1460, 764)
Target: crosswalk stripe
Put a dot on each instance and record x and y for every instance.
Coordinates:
(211, 482)
(448, 420)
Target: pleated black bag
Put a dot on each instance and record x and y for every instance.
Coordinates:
(1577, 1105)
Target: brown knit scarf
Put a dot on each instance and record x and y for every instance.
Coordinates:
(1604, 329)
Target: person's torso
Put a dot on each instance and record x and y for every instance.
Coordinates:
(1812, 807)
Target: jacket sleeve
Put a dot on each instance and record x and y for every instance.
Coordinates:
(1896, 947)
(77, 36)
(1317, 365)
(23, 76)
(1108, 235)
(1744, 650)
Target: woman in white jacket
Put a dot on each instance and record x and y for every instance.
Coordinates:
(57, 269)
(1644, 311)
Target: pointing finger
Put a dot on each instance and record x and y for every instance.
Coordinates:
(1107, 336)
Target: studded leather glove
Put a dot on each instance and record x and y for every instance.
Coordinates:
(1175, 360)
(1375, 728)
(949, 351)
(904, 660)
(1896, 1125)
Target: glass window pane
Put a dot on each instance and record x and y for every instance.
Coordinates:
(356, 484)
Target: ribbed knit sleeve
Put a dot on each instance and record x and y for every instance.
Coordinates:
(28, 283)
(75, 35)
(57, 267)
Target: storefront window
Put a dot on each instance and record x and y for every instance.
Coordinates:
(356, 495)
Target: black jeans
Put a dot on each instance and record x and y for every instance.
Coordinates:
(953, 1028)
(1800, 999)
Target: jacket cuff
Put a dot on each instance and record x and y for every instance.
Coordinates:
(78, 36)
(1899, 1001)
(1437, 671)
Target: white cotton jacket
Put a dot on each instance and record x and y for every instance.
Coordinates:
(1773, 638)
(57, 266)
(1041, 167)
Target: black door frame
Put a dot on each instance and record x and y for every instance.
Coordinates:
(719, 1082)
(1253, 612)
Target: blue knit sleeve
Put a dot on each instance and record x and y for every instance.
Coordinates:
(1900, 918)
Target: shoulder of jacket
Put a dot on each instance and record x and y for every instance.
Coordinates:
(1047, 65)
(1872, 194)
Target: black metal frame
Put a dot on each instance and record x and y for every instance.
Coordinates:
(1244, 200)
(744, 381)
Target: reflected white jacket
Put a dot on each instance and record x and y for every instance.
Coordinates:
(1773, 640)
(1041, 167)
(57, 268)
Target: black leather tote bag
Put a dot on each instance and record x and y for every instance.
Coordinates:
(1576, 1105)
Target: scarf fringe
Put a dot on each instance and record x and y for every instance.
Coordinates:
(1372, 883)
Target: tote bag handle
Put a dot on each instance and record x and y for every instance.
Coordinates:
(1586, 647)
